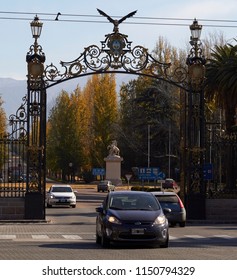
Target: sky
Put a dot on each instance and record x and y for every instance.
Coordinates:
(64, 40)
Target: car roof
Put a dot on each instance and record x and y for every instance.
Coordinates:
(104, 181)
(129, 192)
(61, 186)
(164, 193)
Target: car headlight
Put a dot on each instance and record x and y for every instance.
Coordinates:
(113, 220)
(161, 219)
(52, 196)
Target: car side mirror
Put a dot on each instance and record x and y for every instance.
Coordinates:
(167, 210)
(99, 209)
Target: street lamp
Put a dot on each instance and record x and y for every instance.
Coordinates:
(196, 30)
(196, 59)
(36, 27)
(35, 57)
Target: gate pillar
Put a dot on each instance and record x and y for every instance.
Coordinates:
(36, 129)
(196, 194)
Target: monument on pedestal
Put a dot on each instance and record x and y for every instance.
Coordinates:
(113, 164)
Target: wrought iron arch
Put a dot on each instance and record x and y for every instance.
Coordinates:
(116, 55)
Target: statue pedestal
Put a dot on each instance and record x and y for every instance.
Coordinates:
(113, 169)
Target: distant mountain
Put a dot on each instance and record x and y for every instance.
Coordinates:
(12, 91)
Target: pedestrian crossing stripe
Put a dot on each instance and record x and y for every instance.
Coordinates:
(223, 236)
(78, 237)
(7, 236)
(40, 236)
(194, 236)
(71, 236)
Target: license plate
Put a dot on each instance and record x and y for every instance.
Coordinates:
(138, 231)
(62, 200)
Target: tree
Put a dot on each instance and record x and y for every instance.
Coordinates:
(101, 98)
(3, 128)
(3, 124)
(81, 125)
(144, 103)
(222, 87)
(64, 151)
(148, 103)
(222, 81)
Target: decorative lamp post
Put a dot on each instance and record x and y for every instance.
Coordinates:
(195, 127)
(35, 57)
(36, 127)
(196, 59)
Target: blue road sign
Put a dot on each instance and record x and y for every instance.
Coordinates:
(98, 171)
(208, 171)
(150, 173)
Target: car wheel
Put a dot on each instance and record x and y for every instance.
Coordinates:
(105, 241)
(98, 239)
(74, 206)
(182, 224)
(49, 205)
(166, 244)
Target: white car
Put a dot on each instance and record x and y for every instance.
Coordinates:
(105, 186)
(61, 195)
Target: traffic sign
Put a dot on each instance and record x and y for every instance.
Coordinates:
(150, 173)
(208, 171)
(98, 171)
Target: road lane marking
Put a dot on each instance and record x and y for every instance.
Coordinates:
(7, 236)
(223, 236)
(173, 237)
(39, 236)
(71, 236)
(195, 236)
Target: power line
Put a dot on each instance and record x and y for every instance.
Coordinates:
(127, 22)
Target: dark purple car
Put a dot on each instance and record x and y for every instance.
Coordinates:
(131, 217)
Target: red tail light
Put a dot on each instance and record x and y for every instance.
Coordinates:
(181, 203)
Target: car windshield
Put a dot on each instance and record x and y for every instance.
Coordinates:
(169, 201)
(133, 202)
(61, 189)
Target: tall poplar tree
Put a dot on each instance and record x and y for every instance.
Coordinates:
(101, 97)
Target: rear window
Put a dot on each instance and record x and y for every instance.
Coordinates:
(169, 201)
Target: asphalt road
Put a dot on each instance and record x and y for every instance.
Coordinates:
(69, 234)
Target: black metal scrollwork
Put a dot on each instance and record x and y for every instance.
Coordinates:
(116, 55)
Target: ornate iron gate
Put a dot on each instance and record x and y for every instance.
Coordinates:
(116, 55)
(13, 155)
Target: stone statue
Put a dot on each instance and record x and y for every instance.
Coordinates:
(113, 149)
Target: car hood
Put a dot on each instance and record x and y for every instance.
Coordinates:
(137, 215)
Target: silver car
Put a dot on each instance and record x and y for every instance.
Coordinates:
(61, 195)
(105, 186)
(172, 201)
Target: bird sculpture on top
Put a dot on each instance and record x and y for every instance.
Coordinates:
(115, 21)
